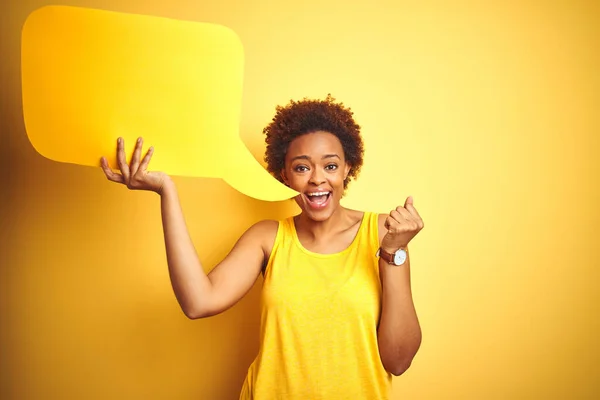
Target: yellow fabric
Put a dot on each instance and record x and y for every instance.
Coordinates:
(319, 322)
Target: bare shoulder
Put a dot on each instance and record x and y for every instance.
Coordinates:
(264, 233)
(264, 228)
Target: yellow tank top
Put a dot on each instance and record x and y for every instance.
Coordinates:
(319, 322)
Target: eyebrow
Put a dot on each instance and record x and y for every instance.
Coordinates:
(305, 157)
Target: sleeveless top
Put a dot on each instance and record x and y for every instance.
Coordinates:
(318, 337)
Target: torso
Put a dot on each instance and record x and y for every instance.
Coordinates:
(320, 305)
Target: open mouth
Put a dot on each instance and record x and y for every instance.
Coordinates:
(318, 199)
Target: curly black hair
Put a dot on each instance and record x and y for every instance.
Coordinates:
(307, 116)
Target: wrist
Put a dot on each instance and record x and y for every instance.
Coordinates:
(393, 257)
(166, 186)
(393, 249)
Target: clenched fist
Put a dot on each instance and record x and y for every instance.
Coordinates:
(402, 224)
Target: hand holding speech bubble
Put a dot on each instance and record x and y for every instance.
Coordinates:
(90, 76)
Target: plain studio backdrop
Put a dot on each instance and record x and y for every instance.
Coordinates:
(486, 112)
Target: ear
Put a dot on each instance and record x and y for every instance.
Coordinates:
(284, 177)
(347, 170)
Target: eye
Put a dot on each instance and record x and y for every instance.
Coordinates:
(300, 168)
(331, 167)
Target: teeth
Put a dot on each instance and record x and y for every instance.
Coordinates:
(318, 194)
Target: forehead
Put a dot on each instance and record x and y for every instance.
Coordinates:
(315, 145)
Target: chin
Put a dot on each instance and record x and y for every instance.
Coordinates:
(318, 217)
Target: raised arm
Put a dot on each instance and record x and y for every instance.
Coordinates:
(202, 295)
(199, 295)
(399, 331)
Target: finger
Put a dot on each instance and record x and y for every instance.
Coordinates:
(110, 174)
(405, 221)
(415, 215)
(409, 200)
(395, 215)
(135, 159)
(400, 213)
(390, 223)
(411, 208)
(121, 160)
(144, 165)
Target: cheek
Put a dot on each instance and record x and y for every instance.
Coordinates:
(297, 182)
(339, 177)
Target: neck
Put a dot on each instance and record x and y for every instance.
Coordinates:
(319, 229)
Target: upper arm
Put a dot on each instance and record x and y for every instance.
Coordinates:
(233, 277)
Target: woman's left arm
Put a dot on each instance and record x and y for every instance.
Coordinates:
(399, 332)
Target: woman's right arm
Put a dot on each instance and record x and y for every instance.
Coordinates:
(199, 295)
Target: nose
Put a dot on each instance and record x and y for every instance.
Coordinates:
(317, 177)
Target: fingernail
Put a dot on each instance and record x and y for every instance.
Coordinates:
(119, 140)
(139, 139)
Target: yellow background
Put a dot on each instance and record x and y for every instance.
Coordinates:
(485, 112)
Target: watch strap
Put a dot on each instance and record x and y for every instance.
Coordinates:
(387, 257)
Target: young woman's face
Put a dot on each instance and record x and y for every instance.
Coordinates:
(316, 167)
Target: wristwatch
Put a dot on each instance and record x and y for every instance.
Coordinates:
(397, 258)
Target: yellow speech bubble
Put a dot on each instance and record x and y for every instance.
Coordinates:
(90, 76)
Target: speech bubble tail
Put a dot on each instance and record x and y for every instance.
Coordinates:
(250, 178)
(265, 188)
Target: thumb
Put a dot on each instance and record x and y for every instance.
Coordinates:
(409, 201)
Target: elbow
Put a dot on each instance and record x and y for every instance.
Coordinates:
(399, 367)
(198, 307)
(195, 312)
(399, 361)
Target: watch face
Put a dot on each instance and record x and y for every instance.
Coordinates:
(400, 257)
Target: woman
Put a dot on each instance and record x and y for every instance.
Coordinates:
(338, 319)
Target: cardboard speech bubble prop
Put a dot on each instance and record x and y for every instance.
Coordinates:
(90, 76)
